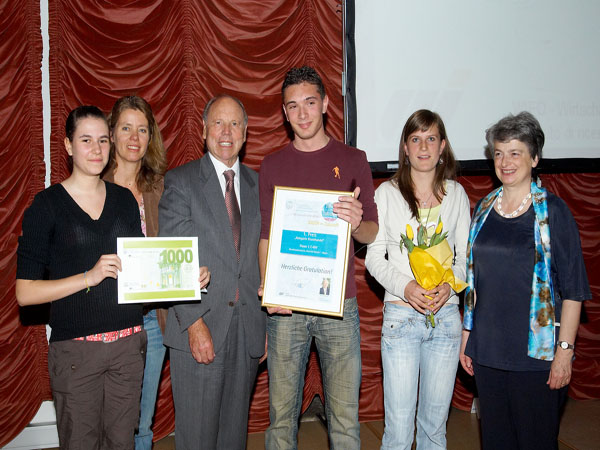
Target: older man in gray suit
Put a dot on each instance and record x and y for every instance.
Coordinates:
(216, 344)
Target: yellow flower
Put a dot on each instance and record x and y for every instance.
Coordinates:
(439, 227)
(409, 232)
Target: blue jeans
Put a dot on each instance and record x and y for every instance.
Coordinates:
(155, 355)
(417, 358)
(338, 344)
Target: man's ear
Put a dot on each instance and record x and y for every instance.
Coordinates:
(285, 112)
(325, 103)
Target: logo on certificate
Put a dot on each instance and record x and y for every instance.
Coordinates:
(327, 212)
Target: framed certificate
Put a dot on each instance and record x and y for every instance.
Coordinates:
(158, 269)
(307, 256)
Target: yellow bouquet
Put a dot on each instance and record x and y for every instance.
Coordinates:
(430, 260)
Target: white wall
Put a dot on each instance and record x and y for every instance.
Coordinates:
(474, 61)
(40, 433)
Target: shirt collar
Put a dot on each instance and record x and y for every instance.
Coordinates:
(220, 167)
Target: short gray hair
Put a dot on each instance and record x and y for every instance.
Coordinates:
(523, 127)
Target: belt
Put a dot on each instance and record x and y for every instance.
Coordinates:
(110, 336)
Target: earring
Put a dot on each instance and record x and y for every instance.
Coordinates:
(441, 161)
(406, 160)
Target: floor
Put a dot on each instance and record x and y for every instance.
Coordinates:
(580, 430)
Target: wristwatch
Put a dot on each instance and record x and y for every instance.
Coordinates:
(565, 345)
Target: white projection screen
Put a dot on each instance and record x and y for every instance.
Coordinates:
(474, 61)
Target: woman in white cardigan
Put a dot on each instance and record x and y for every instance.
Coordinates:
(418, 357)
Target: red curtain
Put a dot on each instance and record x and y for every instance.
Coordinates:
(178, 54)
(24, 375)
(582, 193)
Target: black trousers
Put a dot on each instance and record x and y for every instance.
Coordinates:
(518, 409)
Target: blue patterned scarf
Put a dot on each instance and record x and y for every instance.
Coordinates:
(541, 309)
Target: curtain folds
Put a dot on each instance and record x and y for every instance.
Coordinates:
(581, 192)
(178, 54)
(24, 376)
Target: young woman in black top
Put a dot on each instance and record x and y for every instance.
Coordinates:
(67, 256)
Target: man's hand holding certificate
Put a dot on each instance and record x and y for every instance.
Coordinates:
(158, 269)
(307, 253)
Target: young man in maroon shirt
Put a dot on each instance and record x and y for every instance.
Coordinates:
(315, 160)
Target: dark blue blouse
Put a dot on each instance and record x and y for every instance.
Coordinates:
(503, 256)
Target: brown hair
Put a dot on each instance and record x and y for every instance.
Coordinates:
(154, 162)
(423, 120)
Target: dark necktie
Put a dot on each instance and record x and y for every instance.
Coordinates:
(233, 210)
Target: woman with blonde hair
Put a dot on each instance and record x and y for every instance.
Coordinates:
(138, 162)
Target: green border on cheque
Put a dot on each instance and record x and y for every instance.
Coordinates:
(157, 244)
(160, 294)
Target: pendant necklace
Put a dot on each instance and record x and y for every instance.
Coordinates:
(516, 211)
(423, 206)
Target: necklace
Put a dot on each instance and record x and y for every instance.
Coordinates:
(424, 204)
(516, 211)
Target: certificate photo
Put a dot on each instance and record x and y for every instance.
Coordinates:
(308, 252)
(158, 269)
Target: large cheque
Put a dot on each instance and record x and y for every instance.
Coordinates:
(308, 252)
(158, 269)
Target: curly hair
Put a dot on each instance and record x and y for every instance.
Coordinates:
(523, 127)
(154, 162)
(304, 74)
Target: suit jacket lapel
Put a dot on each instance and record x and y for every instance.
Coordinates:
(249, 206)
